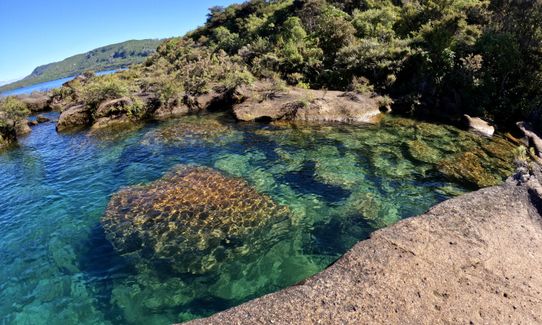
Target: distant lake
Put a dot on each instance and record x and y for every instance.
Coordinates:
(44, 86)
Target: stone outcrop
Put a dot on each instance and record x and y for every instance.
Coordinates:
(533, 139)
(113, 107)
(190, 220)
(74, 116)
(36, 101)
(22, 127)
(42, 119)
(261, 103)
(477, 125)
(166, 112)
(7, 135)
(113, 113)
(474, 259)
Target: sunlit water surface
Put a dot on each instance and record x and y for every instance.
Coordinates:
(340, 183)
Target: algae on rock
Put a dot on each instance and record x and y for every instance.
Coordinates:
(192, 219)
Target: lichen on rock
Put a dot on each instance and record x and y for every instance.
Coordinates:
(192, 219)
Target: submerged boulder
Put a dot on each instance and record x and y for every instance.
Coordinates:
(484, 165)
(191, 220)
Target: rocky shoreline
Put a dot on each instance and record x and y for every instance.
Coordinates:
(474, 259)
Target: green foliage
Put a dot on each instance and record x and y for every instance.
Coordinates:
(12, 109)
(433, 57)
(137, 110)
(196, 69)
(103, 88)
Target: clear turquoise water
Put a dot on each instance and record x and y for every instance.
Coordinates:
(340, 182)
(44, 86)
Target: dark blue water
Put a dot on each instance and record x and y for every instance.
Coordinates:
(45, 86)
(340, 183)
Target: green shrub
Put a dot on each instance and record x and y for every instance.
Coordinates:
(137, 110)
(12, 110)
(103, 88)
(170, 92)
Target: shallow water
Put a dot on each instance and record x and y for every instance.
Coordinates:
(340, 183)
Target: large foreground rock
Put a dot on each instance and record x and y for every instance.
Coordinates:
(475, 259)
(260, 103)
(75, 116)
(191, 220)
(36, 101)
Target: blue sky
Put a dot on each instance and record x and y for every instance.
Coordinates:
(36, 32)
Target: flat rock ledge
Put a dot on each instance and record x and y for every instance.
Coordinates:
(474, 259)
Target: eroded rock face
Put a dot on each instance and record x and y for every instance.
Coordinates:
(534, 140)
(472, 259)
(165, 112)
(192, 219)
(113, 107)
(37, 101)
(296, 104)
(75, 116)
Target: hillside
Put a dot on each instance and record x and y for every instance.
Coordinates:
(109, 57)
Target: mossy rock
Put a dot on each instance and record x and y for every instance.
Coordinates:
(469, 168)
(192, 130)
(420, 150)
(192, 220)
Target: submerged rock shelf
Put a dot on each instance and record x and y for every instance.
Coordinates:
(473, 259)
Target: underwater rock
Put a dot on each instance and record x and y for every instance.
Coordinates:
(373, 208)
(193, 128)
(486, 162)
(469, 168)
(420, 150)
(191, 220)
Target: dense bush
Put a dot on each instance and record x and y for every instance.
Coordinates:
(435, 57)
(103, 88)
(12, 110)
(438, 58)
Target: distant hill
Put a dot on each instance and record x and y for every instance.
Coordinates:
(114, 56)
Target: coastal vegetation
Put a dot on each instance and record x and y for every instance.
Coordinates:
(435, 59)
(110, 57)
(13, 113)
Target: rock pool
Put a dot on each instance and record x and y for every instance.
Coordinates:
(338, 182)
